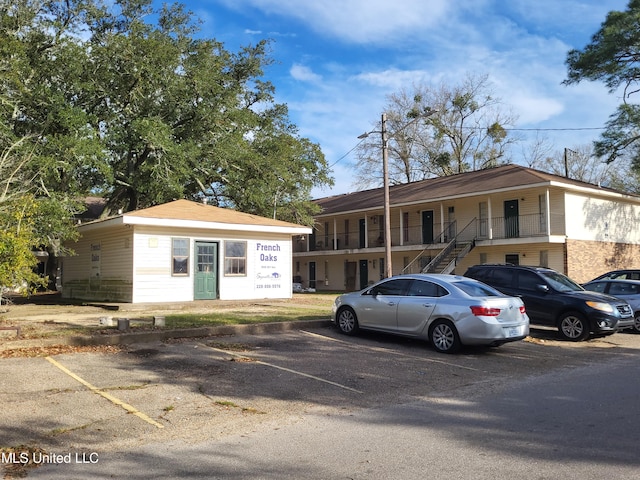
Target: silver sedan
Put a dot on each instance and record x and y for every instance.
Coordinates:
(448, 310)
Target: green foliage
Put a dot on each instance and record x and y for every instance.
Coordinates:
(18, 234)
(144, 113)
(621, 135)
(613, 53)
(613, 56)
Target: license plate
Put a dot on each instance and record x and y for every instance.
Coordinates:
(513, 332)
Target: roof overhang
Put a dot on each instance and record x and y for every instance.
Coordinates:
(193, 224)
(593, 191)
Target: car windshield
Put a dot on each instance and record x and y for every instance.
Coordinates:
(477, 289)
(560, 282)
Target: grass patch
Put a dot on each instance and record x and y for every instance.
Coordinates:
(242, 317)
(60, 431)
(127, 387)
(299, 308)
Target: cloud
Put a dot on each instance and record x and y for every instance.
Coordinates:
(349, 55)
(304, 74)
(357, 21)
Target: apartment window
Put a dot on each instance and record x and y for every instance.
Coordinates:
(180, 256)
(483, 216)
(405, 226)
(326, 235)
(544, 258)
(235, 258)
(346, 233)
(542, 208)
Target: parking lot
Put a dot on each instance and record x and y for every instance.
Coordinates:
(191, 390)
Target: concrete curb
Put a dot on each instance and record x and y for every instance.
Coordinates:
(148, 336)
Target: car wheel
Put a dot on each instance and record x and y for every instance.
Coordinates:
(347, 321)
(573, 326)
(444, 337)
(636, 323)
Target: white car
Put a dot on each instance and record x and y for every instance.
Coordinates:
(448, 310)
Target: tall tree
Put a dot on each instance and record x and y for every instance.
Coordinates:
(143, 113)
(33, 216)
(438, 132)
(613, 56)
(580, 163)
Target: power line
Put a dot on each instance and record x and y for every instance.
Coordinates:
(343, 156)
(481, 128)
(549, 129)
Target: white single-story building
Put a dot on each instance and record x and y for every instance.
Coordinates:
(181, 251)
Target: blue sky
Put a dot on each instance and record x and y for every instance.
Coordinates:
(338, 60)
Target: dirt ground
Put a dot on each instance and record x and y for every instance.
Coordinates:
(47, 314)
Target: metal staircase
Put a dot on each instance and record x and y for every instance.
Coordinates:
(448, 258)
(455, 250)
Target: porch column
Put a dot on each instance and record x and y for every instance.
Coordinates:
(335, 234)
(441, 222)
(547, 202)
(366, 231)
(401, 229)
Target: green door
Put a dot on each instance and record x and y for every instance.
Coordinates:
(206, 276)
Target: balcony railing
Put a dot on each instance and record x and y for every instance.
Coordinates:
(521, 226)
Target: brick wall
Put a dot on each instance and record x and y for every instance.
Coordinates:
(586, 260)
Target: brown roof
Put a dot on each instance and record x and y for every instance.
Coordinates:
(506, 176)
(194, 211)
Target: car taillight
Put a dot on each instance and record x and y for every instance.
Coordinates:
(522, 309)
(480, 311)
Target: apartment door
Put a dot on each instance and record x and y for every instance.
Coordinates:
(511, 219)
(427, 226)
(364, 274)
(206, 272)
(312, 274)
(362, 230)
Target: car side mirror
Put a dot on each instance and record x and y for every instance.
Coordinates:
(543, 288)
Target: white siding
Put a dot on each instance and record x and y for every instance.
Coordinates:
(591, 218)
(528, 254)
(101, 267)
(268, 266)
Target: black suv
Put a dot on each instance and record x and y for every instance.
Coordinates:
(555, 300)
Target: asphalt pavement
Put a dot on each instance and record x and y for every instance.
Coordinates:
(311, 403)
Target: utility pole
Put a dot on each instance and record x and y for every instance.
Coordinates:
(387, 207)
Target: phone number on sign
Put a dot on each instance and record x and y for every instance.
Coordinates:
(275, 285)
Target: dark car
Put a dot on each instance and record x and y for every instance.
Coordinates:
(553, 299)
(627, 290)
(627, 274)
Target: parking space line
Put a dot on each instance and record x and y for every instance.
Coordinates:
(104, 394)
(392, 352)
(295, 372)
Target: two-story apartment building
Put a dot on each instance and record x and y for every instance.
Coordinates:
(509, 214)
